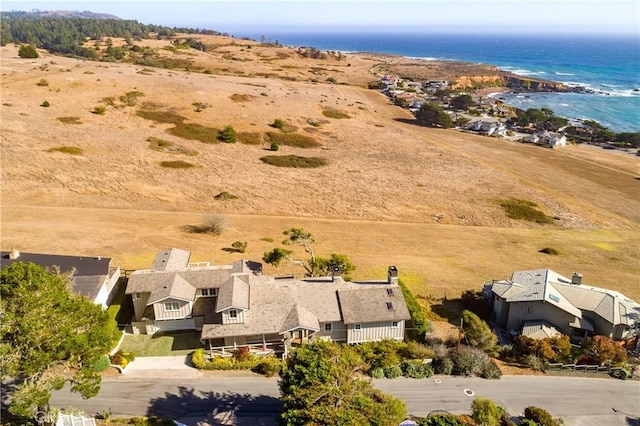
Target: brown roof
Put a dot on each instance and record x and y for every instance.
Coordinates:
(385, 303)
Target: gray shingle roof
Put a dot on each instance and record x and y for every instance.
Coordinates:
(175, 287)
(172, 259)
(299, 318)
(145, 281)
(373, 305)
(539, 329)
(234, 293)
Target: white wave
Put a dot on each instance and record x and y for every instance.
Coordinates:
(563, 73)
(426, 58)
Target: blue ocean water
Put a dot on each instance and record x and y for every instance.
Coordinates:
(607, 65)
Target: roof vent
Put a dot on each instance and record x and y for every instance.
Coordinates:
(577, 278)
(390, 306)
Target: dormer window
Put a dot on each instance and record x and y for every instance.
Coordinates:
(390, 306)
(390, 291)
(171, 306)
(233, 313)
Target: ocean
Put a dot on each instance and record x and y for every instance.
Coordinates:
(608, 65)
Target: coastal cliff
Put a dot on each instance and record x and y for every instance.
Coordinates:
(512, 81)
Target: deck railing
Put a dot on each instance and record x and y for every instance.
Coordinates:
(254, 348)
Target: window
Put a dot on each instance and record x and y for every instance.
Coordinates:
(209, 292)
(390, 291)
(389, 306)
(233, 313)
(136, 295)
(357, 327)
(394, 324)
(327, 327)
(171, 306)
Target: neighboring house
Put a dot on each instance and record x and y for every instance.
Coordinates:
(542, 303)
(389, 81)
(496, 128)
(92, 277)
(236, 305)
(547, 138)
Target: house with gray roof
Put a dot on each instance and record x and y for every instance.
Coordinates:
(541, 303)
(236, 305)
(91, 276)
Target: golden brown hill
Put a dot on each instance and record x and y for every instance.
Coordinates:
(85, 174)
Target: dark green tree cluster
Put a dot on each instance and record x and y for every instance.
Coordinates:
(540, 119)
(418, 325)
(463, 102)
(433, 115)
(321, 385)
(49, 336)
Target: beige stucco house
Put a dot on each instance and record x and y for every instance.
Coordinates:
(236, 304)
(542, 303)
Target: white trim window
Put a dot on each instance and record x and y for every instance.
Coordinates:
(357, 327)
(209, 292)
(327, 327)
(394, 324)
(233, 313)
(171, 306)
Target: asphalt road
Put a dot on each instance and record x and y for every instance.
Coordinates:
(254, 400)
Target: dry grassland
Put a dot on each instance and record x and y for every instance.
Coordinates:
(392, 192)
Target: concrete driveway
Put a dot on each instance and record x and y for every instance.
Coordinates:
(161, 367)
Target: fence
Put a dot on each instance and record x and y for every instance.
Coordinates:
(581, 368)
(71, 420)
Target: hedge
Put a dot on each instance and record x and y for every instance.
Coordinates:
(268, 366)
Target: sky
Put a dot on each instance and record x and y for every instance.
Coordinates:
(461, 16)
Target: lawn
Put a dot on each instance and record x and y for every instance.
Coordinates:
(161, 343)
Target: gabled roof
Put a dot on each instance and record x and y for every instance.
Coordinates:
(300, 318)
(373, 305)
(172, 259)
(539, 329)
(234, 293)
(175, 287)
(146, 281)
(81, 265)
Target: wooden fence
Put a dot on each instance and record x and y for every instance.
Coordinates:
(581, 368)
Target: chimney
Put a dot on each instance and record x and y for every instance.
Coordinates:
(392, 276)
(335, 273)
(14, 254)
(577, 278)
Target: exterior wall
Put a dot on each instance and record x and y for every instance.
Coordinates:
(162, 314)
(171, 325)
(226, 319)
(519, 312)
(500, 311)
(375, 331)
(602, 326)
(338, 332)
(140, 304)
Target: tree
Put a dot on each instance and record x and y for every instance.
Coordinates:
(485, 412)
(314, 266)
(433, 115)
(27, 51)
(320, 385)
(49, 336)
(604, 350)
(463, 102)
(478, 333)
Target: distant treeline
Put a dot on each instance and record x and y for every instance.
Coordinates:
(67, 35)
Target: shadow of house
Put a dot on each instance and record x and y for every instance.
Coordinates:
(192, 407)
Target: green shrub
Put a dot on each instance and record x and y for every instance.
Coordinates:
(67, 150)
(294, 161)
(377, 373)
(392, 372)
(418, 325)
(277, 123)
(211, 224)
(485, 412)
(524, 210)
(99, 109)
(178, 164)
(269, 366)
(489, 370)
(43, 82)
(239, 246)
(69, 120)
(119, 359)
(549, 250)
(534, 362)
(417, 370)
(292, 139)
(129, 356)
(224, 195)
(101, 364)
(468, 361)
(131, 98)
(415, 350)
(274, 146)
(161, 116)
(443, 365)
(27, 51)
(440, 420)
(540, 416)
(334, 114)
(45, 104)
(228, 135)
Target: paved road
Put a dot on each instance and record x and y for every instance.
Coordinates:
(253, 400)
